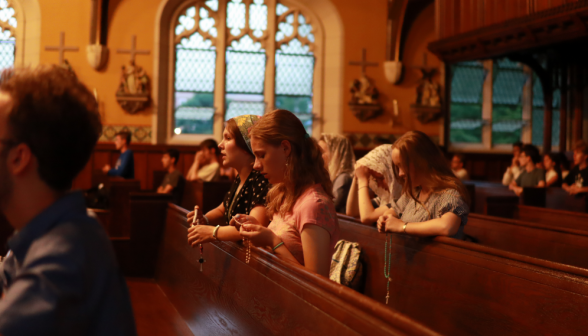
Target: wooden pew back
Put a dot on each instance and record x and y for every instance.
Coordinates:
(461, 288)
(552, 217)
(548, 242)
(194, 192)
(265, 297)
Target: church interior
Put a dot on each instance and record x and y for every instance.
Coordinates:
(487, 81)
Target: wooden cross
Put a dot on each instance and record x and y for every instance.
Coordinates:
(61, 48)
(364, 63)
(133, 51)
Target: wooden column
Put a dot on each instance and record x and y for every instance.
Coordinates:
(563, 107)
(578, 101)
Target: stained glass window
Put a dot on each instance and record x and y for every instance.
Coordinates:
(294, 64)
(195, 70)
(467, 79)
(246, 41)
(7, 38)
(246, 59)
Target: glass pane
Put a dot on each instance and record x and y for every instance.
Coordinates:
(466, 102)
(245, 72)
(7, 41)
(538, 115)
(301, 106)
(507, 107)
(239, 104)
(295, 67)
(195, 73)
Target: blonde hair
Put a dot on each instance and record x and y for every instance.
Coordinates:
(418, 151)
(305, 163)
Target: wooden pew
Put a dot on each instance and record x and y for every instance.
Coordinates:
(265, 297)
(547, 242)
(195, 191)
(461, 288)
(554, 218)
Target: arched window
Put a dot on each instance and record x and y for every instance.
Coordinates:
(233, 57)
(8, 25)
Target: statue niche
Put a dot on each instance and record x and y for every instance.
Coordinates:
(364, 95)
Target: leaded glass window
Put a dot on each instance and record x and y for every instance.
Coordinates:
(507, 102)
(539, 112)
(7, 35)
(245, 57)
(467, 79)
(294, 64)
(265, 46)
(196, 35)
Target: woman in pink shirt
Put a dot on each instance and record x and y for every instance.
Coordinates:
(304, 227)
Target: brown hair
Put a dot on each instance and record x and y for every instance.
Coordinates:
(305, 163)
(125, 135)
(236, 134)
(581, 146)
(56, 116)
(418, 151)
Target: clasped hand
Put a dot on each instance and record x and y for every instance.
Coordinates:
(389, 223)
(199, 233)
(249, 228)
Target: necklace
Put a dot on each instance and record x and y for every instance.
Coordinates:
(387, 264)
(247, 244)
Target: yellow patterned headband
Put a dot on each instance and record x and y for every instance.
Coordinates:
(245, 122)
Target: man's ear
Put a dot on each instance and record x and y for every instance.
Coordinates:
(286, 147)
(19, 159)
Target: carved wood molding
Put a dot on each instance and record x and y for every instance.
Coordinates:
(196, 29)
(247, 30)
(564, 23)
(295, 32)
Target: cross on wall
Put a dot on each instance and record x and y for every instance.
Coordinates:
(363, 63)
(133, 51)
(61, 48)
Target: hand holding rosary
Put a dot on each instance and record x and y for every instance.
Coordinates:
(201, 260)
(246, 241)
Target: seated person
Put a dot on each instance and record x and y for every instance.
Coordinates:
(564, 164)
(577, 180)
(513, 171)
(434, 201)
(61, 275)
(340, 162)
(247, 193)
(373, 172)
(173, 178)
(530, 176)
(552, 170)
(304, 227)
(205, 167)
(457, 167)
(125, 165)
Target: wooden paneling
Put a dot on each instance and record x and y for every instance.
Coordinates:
(147, 159)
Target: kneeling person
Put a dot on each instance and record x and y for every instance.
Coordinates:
(60, 276)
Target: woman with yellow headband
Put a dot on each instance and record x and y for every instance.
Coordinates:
(247, 194)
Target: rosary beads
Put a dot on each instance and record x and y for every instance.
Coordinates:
(201, 260)
(247, 244)
(387, 263)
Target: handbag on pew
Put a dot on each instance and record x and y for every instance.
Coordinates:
(346, 268)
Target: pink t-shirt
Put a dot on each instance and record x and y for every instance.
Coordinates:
(313, 207)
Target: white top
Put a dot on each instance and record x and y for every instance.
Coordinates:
(461, 174)
(550, 174)
(511, 174)
(209, 172)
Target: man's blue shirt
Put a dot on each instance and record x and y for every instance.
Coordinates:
(61, 277)
(125, 166)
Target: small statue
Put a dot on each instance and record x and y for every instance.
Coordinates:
(133, 93)
(364, 99)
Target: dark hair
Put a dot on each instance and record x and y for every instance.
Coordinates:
(56, 116)
(581, 146)
(174, 154)
(517, 144)
(460, 156)
(532, 152)
(125, 135)
(210, 144)
(236, 134)
(555, 157)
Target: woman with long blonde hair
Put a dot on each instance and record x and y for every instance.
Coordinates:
(433, 201)
(304, 227)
